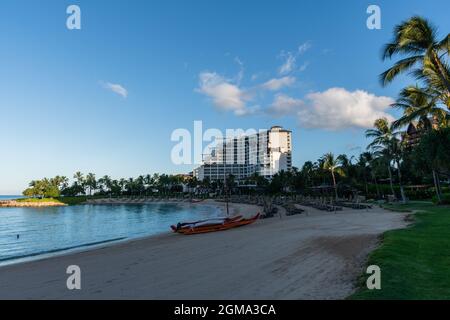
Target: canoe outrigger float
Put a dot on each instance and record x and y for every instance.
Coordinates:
(211, 225)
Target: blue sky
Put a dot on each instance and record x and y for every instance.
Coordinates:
(231, 64)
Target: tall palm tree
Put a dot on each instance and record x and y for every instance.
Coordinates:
(79, 178)
(381, 134)
(369, 160)
(307, 172)
(79, 182)
(364, 163)
(130, 185)
(91, 182)
(106, 181)
(332, 164)
(416, 39)
(140, 184)
(122, 184)
(395, 150)
(418, 105)
(64, 182)
(386, 144)
(149, 182)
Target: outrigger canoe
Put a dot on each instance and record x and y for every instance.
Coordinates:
(211, 226)
(212, 221)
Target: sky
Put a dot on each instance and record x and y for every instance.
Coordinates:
(107, 98)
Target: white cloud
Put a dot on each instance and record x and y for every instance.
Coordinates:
(251, 110)
(290, 59)
(304, 47)
(284, 105)
(116, 88)
(334, 109)
(240, 74)
(278, 83)
(304, 66)
(224, 94)
(289, 63)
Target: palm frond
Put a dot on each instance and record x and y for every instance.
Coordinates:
(444, 45)
(400, 67)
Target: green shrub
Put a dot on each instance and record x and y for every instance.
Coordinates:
(445, 199)
(411, 193)
(420, 194)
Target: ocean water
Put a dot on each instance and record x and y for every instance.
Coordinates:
(9, 197)
(30, 233)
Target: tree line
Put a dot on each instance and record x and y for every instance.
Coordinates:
(425, 103)
(89, 185)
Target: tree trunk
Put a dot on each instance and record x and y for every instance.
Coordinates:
(390, 180)
(438, 183)
(376, 186)
(402, 191)
(436, 186)
(365, 182)
(334, 184)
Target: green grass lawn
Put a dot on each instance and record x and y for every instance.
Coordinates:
(414, 262)
(37, 200)
(65, 200)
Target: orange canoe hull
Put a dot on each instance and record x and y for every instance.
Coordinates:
(218, 227)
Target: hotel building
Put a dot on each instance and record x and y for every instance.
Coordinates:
(265, 153)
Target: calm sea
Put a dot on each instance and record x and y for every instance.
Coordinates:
(10, 197)
(28, 233)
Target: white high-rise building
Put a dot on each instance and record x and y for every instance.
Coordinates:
(265, 153)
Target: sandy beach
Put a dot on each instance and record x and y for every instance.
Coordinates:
(317, 255)
(31, 204)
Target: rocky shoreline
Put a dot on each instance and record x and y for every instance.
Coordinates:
(29, 204)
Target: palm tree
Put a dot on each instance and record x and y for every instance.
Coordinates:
(116, 188)
(107, 183)
(369, 161)
(60, 182)
(91, 182)
(140, 184)
(334, 165)
(64, 182)
(78, 176)
(122, 184)
(364, 163)
(395, 150)
(416, 39)
(386, 144)
(130, 185)
(419, 105)
(149, 182)
(307, 172)
(381, 135)
(79, 182)
(348, 167)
